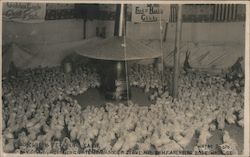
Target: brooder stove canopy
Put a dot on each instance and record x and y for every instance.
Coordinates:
(116, 49)
(113, 53)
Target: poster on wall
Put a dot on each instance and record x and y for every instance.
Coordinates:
(24, 12)
(144, 13)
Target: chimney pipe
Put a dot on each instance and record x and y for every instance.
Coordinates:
(117, 17)
(120, 21)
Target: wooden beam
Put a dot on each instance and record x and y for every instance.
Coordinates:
(177, 51)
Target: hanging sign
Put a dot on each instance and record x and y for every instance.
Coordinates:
(143, 13)
(24, 12)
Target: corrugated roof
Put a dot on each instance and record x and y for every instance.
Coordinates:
(113, 48)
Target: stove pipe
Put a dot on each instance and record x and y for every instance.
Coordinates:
(120, 20)
(115, 79)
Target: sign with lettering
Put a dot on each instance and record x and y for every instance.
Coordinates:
(24, 12)
(143, 13)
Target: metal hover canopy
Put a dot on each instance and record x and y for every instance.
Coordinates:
(116, 49)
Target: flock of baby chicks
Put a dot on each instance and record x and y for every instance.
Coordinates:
(39, 115)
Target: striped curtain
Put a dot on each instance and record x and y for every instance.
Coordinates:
(225, 12)
(218, 13)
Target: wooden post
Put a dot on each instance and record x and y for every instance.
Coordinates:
(177, 52)
(165, 32)
(125, 19)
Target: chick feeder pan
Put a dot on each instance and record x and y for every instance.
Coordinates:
(114, 52)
